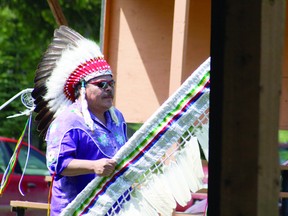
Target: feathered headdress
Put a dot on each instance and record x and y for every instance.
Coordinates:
(69, 58)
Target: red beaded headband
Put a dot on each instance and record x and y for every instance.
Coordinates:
(90, 69)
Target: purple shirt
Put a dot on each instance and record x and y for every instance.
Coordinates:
(69, 138)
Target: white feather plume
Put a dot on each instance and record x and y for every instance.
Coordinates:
(84, 106)
(186, 167)
(193, 160)
(203, 138)
(176, 181)
(161, 190)
(158, 195)
(70, 59)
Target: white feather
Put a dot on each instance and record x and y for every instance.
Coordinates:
(157, 196)
(193, 159)
(177, 183)
(129, 208)
(146, 208)
(137, 205)
(203, 138)
(187, 171)
(170, 197)
(71, 58)
(84, 106)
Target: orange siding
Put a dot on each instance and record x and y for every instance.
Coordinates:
(139, 49)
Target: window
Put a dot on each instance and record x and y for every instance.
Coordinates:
(36, 161)
(3, 157)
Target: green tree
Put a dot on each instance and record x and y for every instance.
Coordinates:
(26, 30)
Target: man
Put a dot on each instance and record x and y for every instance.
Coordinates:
(74, 90)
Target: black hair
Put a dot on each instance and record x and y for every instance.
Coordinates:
(77, 88)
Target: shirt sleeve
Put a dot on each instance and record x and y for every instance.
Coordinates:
(67, 150)
(63, 152)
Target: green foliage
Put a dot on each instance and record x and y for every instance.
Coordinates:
(132, 128)
(283, 141)
(83, 15)
(283, 136)
(26, 30)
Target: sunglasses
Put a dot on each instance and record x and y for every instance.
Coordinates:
(103, 84)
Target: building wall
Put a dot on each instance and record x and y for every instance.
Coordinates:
(138, 45)
(198, 35)
(139, 52)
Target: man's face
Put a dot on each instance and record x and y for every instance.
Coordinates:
(100, 94)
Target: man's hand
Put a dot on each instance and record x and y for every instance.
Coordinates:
(104, 166)
(101, 167)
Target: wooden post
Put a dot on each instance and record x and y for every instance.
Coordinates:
(57, 12)
(246, 50)
(284, 189)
